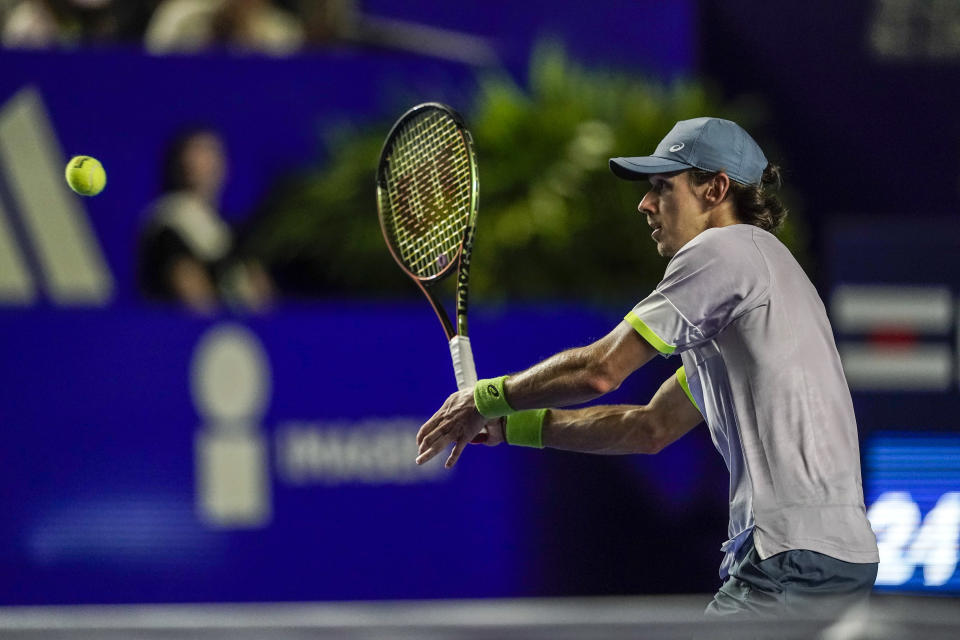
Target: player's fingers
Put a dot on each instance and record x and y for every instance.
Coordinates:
(427, 427)
(433, 444)
(427, 454)
(422, 432)
(431, 424)
(455, 454)
(440, 432)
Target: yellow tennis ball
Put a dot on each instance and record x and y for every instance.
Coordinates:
(86, 176)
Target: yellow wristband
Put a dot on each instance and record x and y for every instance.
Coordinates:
(525, 428)
(490, 398)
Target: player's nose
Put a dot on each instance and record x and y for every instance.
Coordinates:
(647, 204)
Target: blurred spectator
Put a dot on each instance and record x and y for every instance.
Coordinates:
(187, 251)
(245, 25)
(328, 21)
(66, 23)
(276, 27)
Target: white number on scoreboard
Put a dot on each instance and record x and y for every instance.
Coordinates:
(906, 543)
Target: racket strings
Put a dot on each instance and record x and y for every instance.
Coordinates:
(425, 235)
(427, 200)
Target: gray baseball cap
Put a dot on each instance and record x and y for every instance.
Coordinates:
(711, 144)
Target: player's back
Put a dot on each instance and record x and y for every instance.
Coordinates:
(778, 387)
(763, 368)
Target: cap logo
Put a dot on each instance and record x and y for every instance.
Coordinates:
(676, 147)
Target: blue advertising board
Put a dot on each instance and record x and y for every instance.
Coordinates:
(157, 457)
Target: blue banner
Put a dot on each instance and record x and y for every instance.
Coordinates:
(159, 457)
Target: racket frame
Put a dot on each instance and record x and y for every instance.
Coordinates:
(461, 262)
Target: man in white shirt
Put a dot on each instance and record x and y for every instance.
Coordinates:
(760, 367)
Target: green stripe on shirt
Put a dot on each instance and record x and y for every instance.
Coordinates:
(655, 341)
(682, 379)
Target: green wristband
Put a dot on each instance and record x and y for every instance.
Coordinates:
(525, 428)
(490, 398)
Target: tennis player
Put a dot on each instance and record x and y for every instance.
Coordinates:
(759, 366)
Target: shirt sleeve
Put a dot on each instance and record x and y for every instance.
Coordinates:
(714, 279)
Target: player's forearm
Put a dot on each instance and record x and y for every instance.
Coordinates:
(571, 377)
(606, 429)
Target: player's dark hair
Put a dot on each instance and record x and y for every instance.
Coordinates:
(756, 205)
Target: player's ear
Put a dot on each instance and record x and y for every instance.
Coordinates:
(717, 188)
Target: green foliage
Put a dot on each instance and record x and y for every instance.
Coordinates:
(554, 223)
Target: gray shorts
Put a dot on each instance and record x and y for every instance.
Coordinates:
(793, 583)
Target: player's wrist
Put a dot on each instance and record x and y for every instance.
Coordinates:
(525, 428)
(491, 399)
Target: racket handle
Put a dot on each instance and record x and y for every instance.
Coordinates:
(466, 371)
(463, 367)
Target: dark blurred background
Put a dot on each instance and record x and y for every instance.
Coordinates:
(213, 371)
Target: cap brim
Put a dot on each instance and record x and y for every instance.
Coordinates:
(641, 167)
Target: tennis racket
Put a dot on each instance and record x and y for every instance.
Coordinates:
(427, 196)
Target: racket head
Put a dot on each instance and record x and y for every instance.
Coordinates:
(427, 191)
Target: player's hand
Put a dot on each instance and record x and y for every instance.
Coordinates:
(495, 433)
(458, 422)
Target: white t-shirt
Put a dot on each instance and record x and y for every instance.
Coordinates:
(762, 366)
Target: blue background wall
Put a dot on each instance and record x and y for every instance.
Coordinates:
(99, 483)
(102, 497)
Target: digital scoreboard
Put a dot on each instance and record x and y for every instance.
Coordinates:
(912, 492)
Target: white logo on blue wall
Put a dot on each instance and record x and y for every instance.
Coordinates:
(231, 386)
(42, 219)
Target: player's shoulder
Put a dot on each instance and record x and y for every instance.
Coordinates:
(724, 254)
(734, 234)
(732, 243)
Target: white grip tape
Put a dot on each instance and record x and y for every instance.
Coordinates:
(463, 367)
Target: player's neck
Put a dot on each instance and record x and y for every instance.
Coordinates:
(722, 215)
